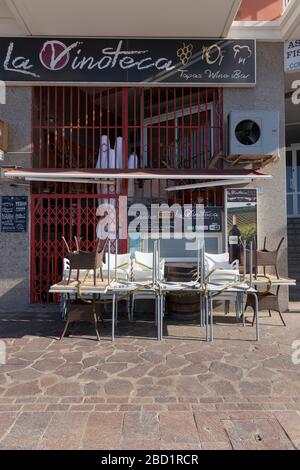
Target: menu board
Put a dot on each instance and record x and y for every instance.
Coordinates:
(14, 210)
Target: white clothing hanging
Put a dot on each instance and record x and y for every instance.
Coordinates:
(103, 162)
(133, 163)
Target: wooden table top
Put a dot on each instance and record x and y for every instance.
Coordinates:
(271, 279)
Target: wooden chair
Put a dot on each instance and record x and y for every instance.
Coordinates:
(78, 310)
(266, 301)
(266, 258)
(86, 261)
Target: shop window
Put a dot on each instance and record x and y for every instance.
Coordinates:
(164, 127)
(155, 128)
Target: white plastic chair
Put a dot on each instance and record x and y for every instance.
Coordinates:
(64, 297)
(142, 267)
(221, 272)
(123, 271)
(220, 261)
(142, 271)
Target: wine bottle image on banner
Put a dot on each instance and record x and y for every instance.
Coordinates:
(234, 240)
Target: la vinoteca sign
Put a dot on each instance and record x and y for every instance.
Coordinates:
(128, 61)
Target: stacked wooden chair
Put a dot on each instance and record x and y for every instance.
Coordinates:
(267, 300)
(84, 262)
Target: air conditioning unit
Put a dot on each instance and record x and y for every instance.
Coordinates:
(254, 133)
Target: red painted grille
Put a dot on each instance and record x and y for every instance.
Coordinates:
(177, 128)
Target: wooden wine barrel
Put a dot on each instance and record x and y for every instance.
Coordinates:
(183, 307)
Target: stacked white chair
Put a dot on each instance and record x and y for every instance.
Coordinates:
(224, 274)
(123, 269)
(142, 271)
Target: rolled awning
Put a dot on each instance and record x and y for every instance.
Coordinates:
(95, 176)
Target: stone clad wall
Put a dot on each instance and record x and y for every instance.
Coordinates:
(14, 247)
(268, 95)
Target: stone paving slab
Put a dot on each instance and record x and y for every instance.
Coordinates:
(147, 431)
(137, 393)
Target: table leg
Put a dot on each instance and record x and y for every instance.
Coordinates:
(129, 307)
(211, 318)
(257, 316)
(161, 317)
(205, 303)
(113, 317)
(65, 329)
(95, 317)
(132, 307)
(201, 311)
(242, 307)
(237, 309)
(157, 317)
(117, 312)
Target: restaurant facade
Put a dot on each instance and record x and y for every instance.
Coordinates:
(91, 120)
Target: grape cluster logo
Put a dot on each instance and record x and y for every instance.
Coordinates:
(185, 53)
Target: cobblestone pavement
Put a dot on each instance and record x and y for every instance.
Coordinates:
(140, 394)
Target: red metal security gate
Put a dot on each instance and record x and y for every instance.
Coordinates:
(175, 128)
(54, 217)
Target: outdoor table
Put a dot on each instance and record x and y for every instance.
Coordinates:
(76, 313)
(117, 288)
(121, 288)
(206, 295)
(266, 299)
(213, 290)
(86, 288)
(184, 287)
(272, 280)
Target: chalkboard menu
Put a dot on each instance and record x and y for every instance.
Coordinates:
(14, 211)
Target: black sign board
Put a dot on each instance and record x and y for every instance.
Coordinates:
(242, 195)
(14, 211)
(156, 219)
(213, 220)
(210, 62)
